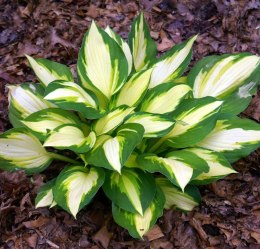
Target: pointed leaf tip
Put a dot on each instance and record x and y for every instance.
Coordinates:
(172, 65)
(136, 224)
(234, 137)
(102, 66)
(76, 186)
(141, 44)
(133, 190)
(112, 152)
(48, 71)
(19, 149)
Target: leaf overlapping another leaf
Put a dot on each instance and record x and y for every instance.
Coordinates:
(48, 71)
(112, 152)
(24, 100)
(102, 65)
(132, 190)
(134, 125)
(19, 149)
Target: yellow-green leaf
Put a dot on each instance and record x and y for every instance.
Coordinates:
(141, 44)
(19, 149)
(48, 71)
(102, 65)
(172, 64)
(76, 186)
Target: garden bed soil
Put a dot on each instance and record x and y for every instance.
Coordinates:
(229, 215)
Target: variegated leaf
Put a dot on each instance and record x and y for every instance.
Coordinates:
(70, 96)
(132, 190)
(239, 100)
(46, 120)
(102, 65)
(19, 149)
(180, 167)
(234, 137)
(219, 167)
(175, 198)
(155, 125)
(141, 44)
(123, 44)
(131, 161)
(76, 186)
(71, 137)
(219, 76)
(111, 120)
(181, 80)
(136, 224)
(48, 71)
(112, 152)
(164, 98)
(24, 100)
(44, 196)
(134, 90)
(195, 118)
(171, 65)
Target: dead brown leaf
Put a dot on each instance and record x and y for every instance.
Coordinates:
(32, 240)
(32, 224)
(154, 233)
(103, 237)
(92, 11)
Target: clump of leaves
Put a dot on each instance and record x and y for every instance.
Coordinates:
(136, 128)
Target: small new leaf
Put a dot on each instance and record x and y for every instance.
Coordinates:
(44, 196)
(124, 47)
(141, 44)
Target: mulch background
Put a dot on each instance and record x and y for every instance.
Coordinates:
(228, 217)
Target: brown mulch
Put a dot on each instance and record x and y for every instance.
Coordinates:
(229, 215)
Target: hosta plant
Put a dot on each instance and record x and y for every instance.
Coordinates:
(136, 128)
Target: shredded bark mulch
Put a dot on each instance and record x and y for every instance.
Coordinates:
(229, 215)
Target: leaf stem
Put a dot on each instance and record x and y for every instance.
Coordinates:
(62, 158)
(157, 144)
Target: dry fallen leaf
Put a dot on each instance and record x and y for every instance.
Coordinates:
(92, 11)
(32, 224)
(165, 43)
(154, 233)
(32, 240)
(103, 237)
